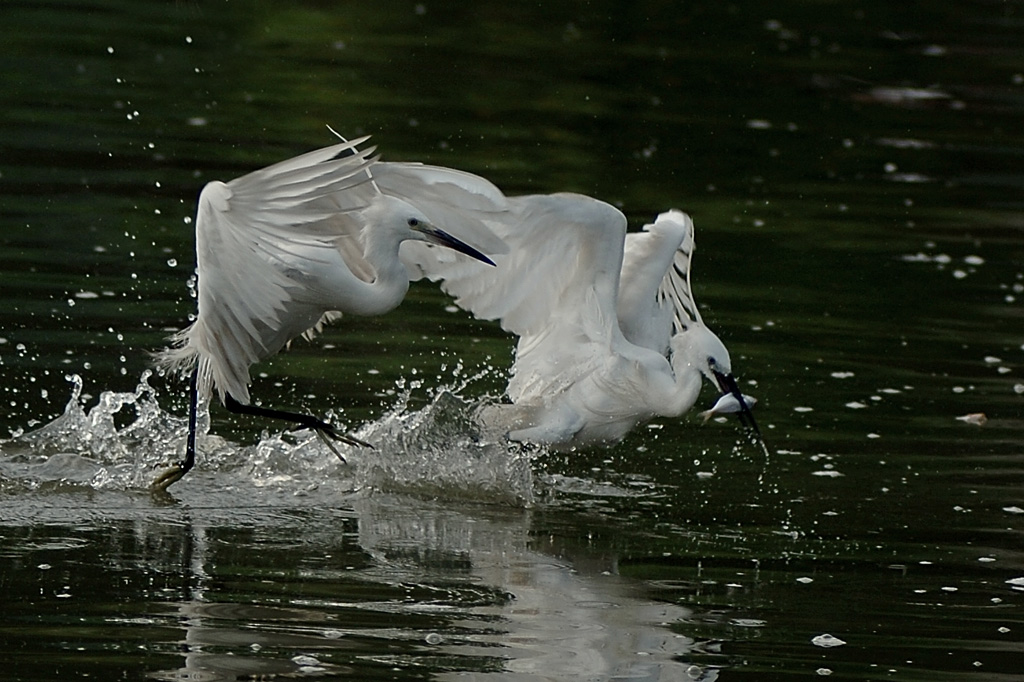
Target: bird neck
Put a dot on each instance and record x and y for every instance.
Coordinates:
(680, 394)
(391, 279)
(687, 373)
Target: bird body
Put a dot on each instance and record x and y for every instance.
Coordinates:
(633, 366)
(626, 387)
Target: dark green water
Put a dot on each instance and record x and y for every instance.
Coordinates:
(855, 175)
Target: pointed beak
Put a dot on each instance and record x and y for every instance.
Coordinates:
(436, 235)
(727, 383)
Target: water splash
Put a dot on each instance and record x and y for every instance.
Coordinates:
(88, 447)
(440, 450)
(123, 440)
(433, 442)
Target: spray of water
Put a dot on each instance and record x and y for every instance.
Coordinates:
(113, 444)
(122, 440)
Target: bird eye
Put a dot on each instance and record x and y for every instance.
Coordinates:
(413, 222)
(711, 361)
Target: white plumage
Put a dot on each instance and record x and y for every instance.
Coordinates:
(286, 248)
(283, 250)
(609, 334)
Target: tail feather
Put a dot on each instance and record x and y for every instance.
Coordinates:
(181, 358)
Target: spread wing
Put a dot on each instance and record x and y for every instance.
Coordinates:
(548, 248)
(675, 286)
(654, 297)
(457, 202)
(555, 287)
(249, 233)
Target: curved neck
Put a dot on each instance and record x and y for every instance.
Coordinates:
(687, 376)
(390, 282)
(687, 386)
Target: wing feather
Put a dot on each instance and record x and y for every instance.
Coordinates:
(249, 232)
(460, 203)
(557, 246)
(675, 287)
(647, 299)
(555, 288)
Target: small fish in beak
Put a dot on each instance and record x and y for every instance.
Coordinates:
(728, 404)
(739, 404)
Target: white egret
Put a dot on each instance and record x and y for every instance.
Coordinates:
(285, 249)
(609, 334)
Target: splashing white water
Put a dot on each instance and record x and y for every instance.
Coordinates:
(440, 449)
(87, 447)
(126, 438)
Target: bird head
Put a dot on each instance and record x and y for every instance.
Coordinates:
(411, 223)
(424, 230)
(702, 350)
(698, 347)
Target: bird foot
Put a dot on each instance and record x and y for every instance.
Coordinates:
(308, 421)
(328, 434)
(168, 478)
(328, 441)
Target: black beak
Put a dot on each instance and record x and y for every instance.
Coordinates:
(727, 384)
(441, 237)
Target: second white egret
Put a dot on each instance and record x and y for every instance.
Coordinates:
(609, 333)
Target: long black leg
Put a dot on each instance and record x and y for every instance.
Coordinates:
(193, 417)
(178, 471)
(306, 420)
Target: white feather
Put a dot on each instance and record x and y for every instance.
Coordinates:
(288, 248)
